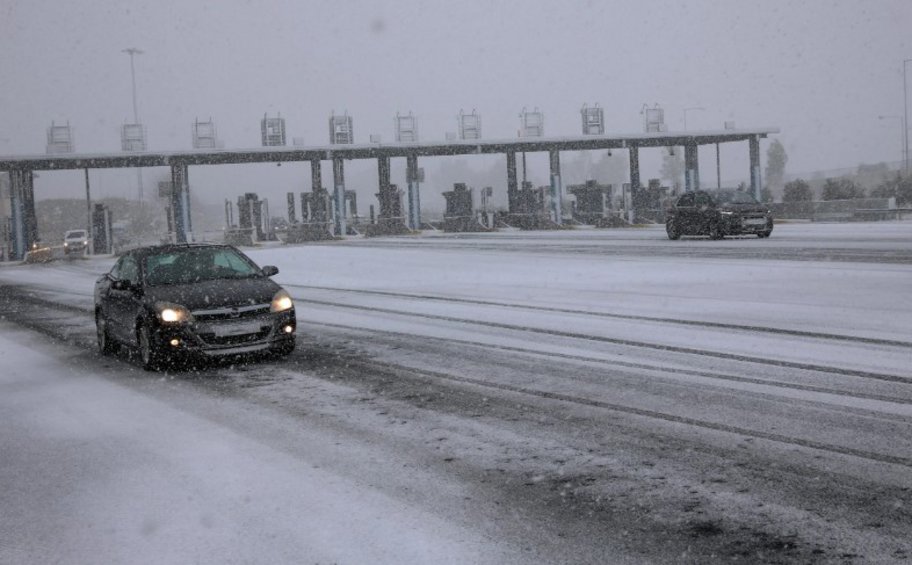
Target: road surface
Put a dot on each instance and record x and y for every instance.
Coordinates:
(589, 396)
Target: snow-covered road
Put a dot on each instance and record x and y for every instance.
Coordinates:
(584, 389)
(94, 472)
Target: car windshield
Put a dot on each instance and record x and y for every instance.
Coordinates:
(733, 197)
(75, 234)
(183, 266)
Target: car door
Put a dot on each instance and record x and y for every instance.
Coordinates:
(684, 214)
(704, 211)
(124, 299)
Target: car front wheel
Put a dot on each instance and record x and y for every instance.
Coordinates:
(715, 232)
(105, 344)
(149, 354)
(284, 349)
(672, 229)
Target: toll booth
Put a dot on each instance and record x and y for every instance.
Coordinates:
(390, 203)
(648, 201)
(531, 208)
(459, 215)
(250, 215)
(102, 234)
(390, 220)
(249, 228)
(593, 202)
(316, 206)
(316, 218)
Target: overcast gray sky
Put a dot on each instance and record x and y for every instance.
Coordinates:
(821, 70)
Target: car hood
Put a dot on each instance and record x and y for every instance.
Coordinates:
(756, 208)
(216, 293)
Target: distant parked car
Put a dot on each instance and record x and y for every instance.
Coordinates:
(205, 300)
(718, 213)
(75, 241)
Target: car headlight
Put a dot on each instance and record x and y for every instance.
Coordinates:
(281, 302)
(172, 313)
(65, 244)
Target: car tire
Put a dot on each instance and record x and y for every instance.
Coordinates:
(715, 232)
(106, 345)
(285, 349)
(672, 230)
(149, 355)
(764, 234)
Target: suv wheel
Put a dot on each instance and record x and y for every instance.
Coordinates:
(672, 230)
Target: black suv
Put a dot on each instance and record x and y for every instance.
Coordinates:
(717, 213)
(201, 299)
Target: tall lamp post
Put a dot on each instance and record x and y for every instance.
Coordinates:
(131, 51)
(687, 110)
(904, 138)
(905, 119)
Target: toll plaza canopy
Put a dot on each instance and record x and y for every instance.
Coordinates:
(374, 150)
(23, 222)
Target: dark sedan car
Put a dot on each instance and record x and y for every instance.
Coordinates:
(192, 299)
(718, 213)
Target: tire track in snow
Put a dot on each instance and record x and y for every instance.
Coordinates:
(625, 342)
(631, 365)
(611, 315)
(651, 414)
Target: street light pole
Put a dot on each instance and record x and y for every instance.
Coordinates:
(685, 114)
(133, 51)
(905, 119)
(139, 180)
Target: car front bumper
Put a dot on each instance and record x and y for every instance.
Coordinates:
(273, 331)
(742, 225)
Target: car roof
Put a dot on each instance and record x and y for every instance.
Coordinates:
(168, 247)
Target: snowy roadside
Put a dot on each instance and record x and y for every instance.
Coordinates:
(94, 472)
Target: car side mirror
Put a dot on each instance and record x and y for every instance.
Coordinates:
(270, 270)
(120, 284)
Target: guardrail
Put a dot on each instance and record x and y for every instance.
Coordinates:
(881, 213)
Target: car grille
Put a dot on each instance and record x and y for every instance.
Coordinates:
(212, 339)
(231, 313)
